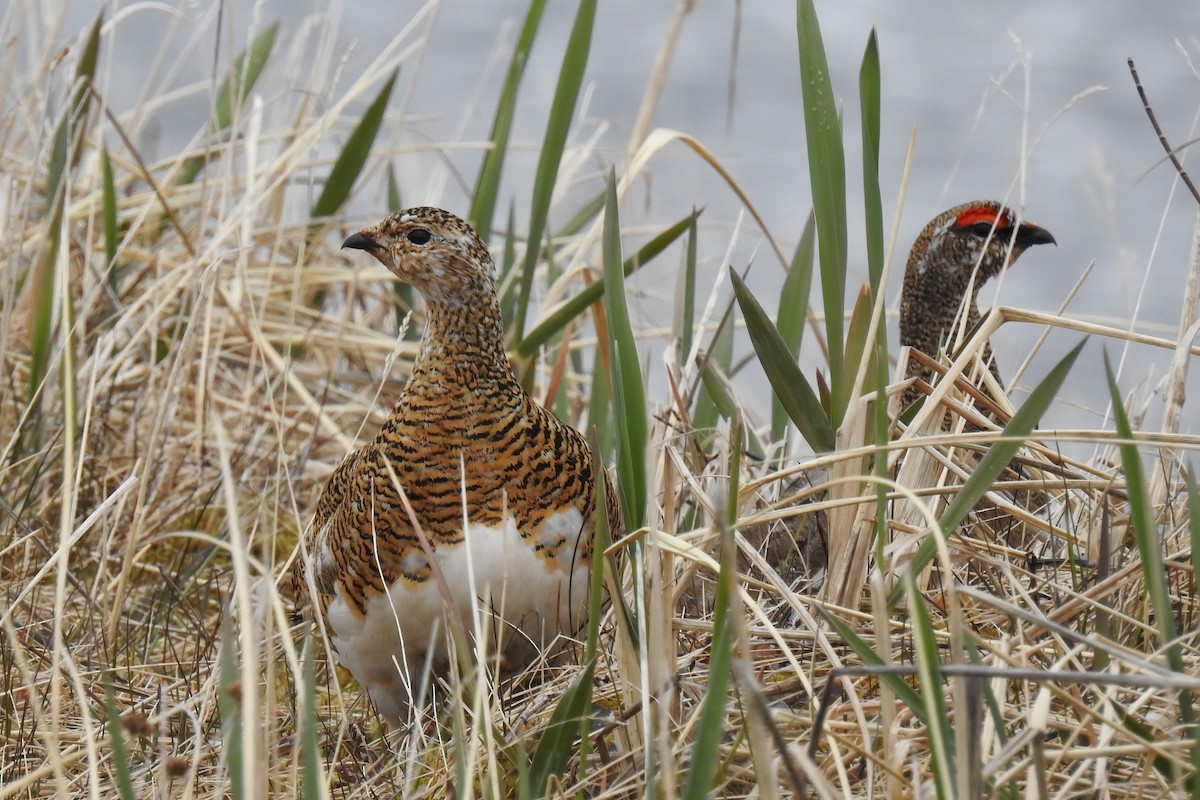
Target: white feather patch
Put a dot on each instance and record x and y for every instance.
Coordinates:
(496, 575)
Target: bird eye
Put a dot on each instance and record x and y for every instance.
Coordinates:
(419, 236)
(984, 229)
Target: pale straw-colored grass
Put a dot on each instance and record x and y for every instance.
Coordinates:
(155, 486)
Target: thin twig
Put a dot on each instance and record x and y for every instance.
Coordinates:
(1161, 136)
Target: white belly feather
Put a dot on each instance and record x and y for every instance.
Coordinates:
(496, 575)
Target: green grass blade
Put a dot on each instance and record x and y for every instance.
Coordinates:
(793, 307)
(600, 412)
(711, 730)
(58, 161)
(66, 147)
(228, 706)
(112, 236)
(1141, 514)
(487, 184)
(870, 95)
(460, 746)
(1145, 534)
(993, 463)
(237, 86)
(856, 334)
(570, 719)
(989, 695)
(685, 297)
(720, 354)
(68, 135)
(601, 539)
(572, 308)
(514, 283)
(41, 286)
(900, 687)
(790, 386)
(353, 156)
(628, 392)
(869, 102)
(310, 748)
(562, 110)
(116, 738)
(555, 747)
(586, 213)
(931, 688)
(243, 74)
(504, 270)
(719, 389)
(827, 174)
(1163, 765)
(510, 281)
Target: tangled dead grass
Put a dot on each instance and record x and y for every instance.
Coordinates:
(155, 484)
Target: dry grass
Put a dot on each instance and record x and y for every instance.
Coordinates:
(155, 484)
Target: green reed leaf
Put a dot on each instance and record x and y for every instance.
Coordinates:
(562, 110)
(487, 184)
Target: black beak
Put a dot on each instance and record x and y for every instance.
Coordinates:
(359, 242)
(1027, 235)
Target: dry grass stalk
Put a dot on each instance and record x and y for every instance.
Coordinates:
(153, 490)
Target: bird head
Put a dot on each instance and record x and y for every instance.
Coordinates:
(955, 254)
(983, 236)
(432, 250)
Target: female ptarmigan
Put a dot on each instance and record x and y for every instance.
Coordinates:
(500, 490)
(955, 254)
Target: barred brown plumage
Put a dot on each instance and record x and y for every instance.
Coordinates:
(501, 489)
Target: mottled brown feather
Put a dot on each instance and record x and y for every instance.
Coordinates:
(463, 424)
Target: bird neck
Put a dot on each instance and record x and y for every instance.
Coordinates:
(462, 348)
(930, 320)
(941, 330)
(930, 304)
